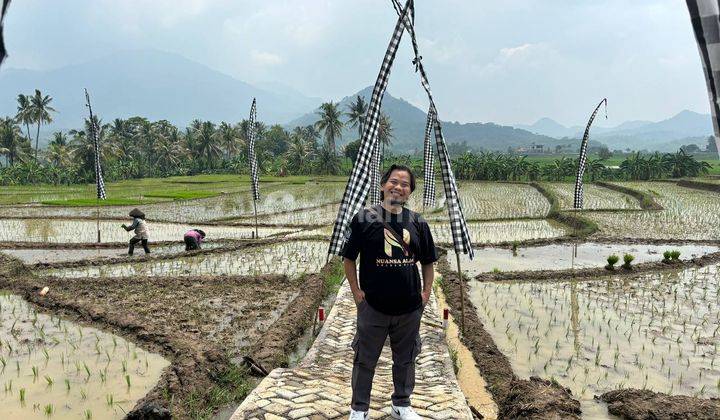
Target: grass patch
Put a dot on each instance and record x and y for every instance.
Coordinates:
(232, 386)
(183, 195)
(335, 276)
(85, 202)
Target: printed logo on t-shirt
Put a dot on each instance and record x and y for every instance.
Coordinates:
(391, 243)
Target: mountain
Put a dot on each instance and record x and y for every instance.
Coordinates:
(152, 84)
(686, 127)
(548, 127)
(409, 121)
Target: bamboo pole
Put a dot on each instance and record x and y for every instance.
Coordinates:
(97, 208)
(256, 220)
(462, 295)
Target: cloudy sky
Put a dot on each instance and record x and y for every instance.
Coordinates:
(511, 61)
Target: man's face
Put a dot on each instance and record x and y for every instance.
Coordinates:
(397, 188)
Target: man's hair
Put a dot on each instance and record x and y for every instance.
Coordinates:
(396, 167)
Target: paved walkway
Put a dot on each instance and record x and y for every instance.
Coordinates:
(319, 387)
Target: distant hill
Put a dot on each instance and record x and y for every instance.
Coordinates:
(686, 127)
(408, 124)
(152, 84)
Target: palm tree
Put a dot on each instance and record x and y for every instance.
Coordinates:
(385, 132)
(11, 140)
(24, 113)
(207, 144)
(40, 111)
(327, 162)
(229, 139)
(330, 123)
(356, 114)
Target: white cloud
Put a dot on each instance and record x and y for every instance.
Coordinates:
(265, 58)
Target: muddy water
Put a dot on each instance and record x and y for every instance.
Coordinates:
(659, 331)
(568, 256)
(84, 231)
(69, 370)
(54, 255)
(290, 258)
(503, 231)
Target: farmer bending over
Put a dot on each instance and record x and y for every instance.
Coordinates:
(390, 240)
(141, 231)
(193, 238)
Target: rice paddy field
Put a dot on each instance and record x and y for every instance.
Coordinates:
(115, 333)
(656, 332)
(688, 214)
(594, 197)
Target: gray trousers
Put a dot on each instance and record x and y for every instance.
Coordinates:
(373, 327)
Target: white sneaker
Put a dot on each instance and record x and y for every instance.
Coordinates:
(359, 415)
(404, 413)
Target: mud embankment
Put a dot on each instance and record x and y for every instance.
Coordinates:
(637, 404)
(581, 226)
(647, 201)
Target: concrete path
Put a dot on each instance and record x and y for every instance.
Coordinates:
(319, 387)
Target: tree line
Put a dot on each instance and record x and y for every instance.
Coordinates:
(137, 148)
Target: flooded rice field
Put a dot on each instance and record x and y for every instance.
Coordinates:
(658, 331)
(503, 231)
(594, 197)
(568, 256)
(322, 215)
(55, 368)
(687, 214)
(85, 231)
(291, 258)
(55, 255)
(275, 198)
(492, 200)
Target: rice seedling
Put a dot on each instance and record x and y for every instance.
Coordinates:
(611, 261)
(649, 332)
(627, 261)
(594, 198)
(291, 258)
(43, 360)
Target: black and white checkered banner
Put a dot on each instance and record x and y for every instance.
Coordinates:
(359, 183)
(374, 196)
(428, 167)
(579, 193)
(458, 226)
(357, 186)
(705, 18)
(95, 135)
(252, 134)
(3, 52)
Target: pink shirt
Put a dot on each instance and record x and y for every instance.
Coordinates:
(195, 234)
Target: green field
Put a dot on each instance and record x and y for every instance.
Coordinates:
(143, 191)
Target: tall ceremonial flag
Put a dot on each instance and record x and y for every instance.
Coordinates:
(428, 166)
(99, 182)
(359, 183)
(705, 18)
(3, 52)
(578, 199)
(94, 134)
(254, 181)
(458, 226)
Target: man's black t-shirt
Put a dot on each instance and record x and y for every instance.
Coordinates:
(389, 277)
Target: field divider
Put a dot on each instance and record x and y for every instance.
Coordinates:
(582, 227)
(646, 200)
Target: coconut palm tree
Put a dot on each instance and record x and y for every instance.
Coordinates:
(40, 111)
(356, 114)
(385, 133)
(24, 113)
(207, 144)
(330, 123)
(229, 139)
(11, 140)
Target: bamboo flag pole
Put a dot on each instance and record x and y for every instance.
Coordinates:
(97, 208)
(462, 295)
(256, 222)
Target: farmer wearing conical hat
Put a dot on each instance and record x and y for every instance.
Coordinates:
(141, 231)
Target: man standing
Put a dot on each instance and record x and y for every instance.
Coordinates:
(390, 241)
